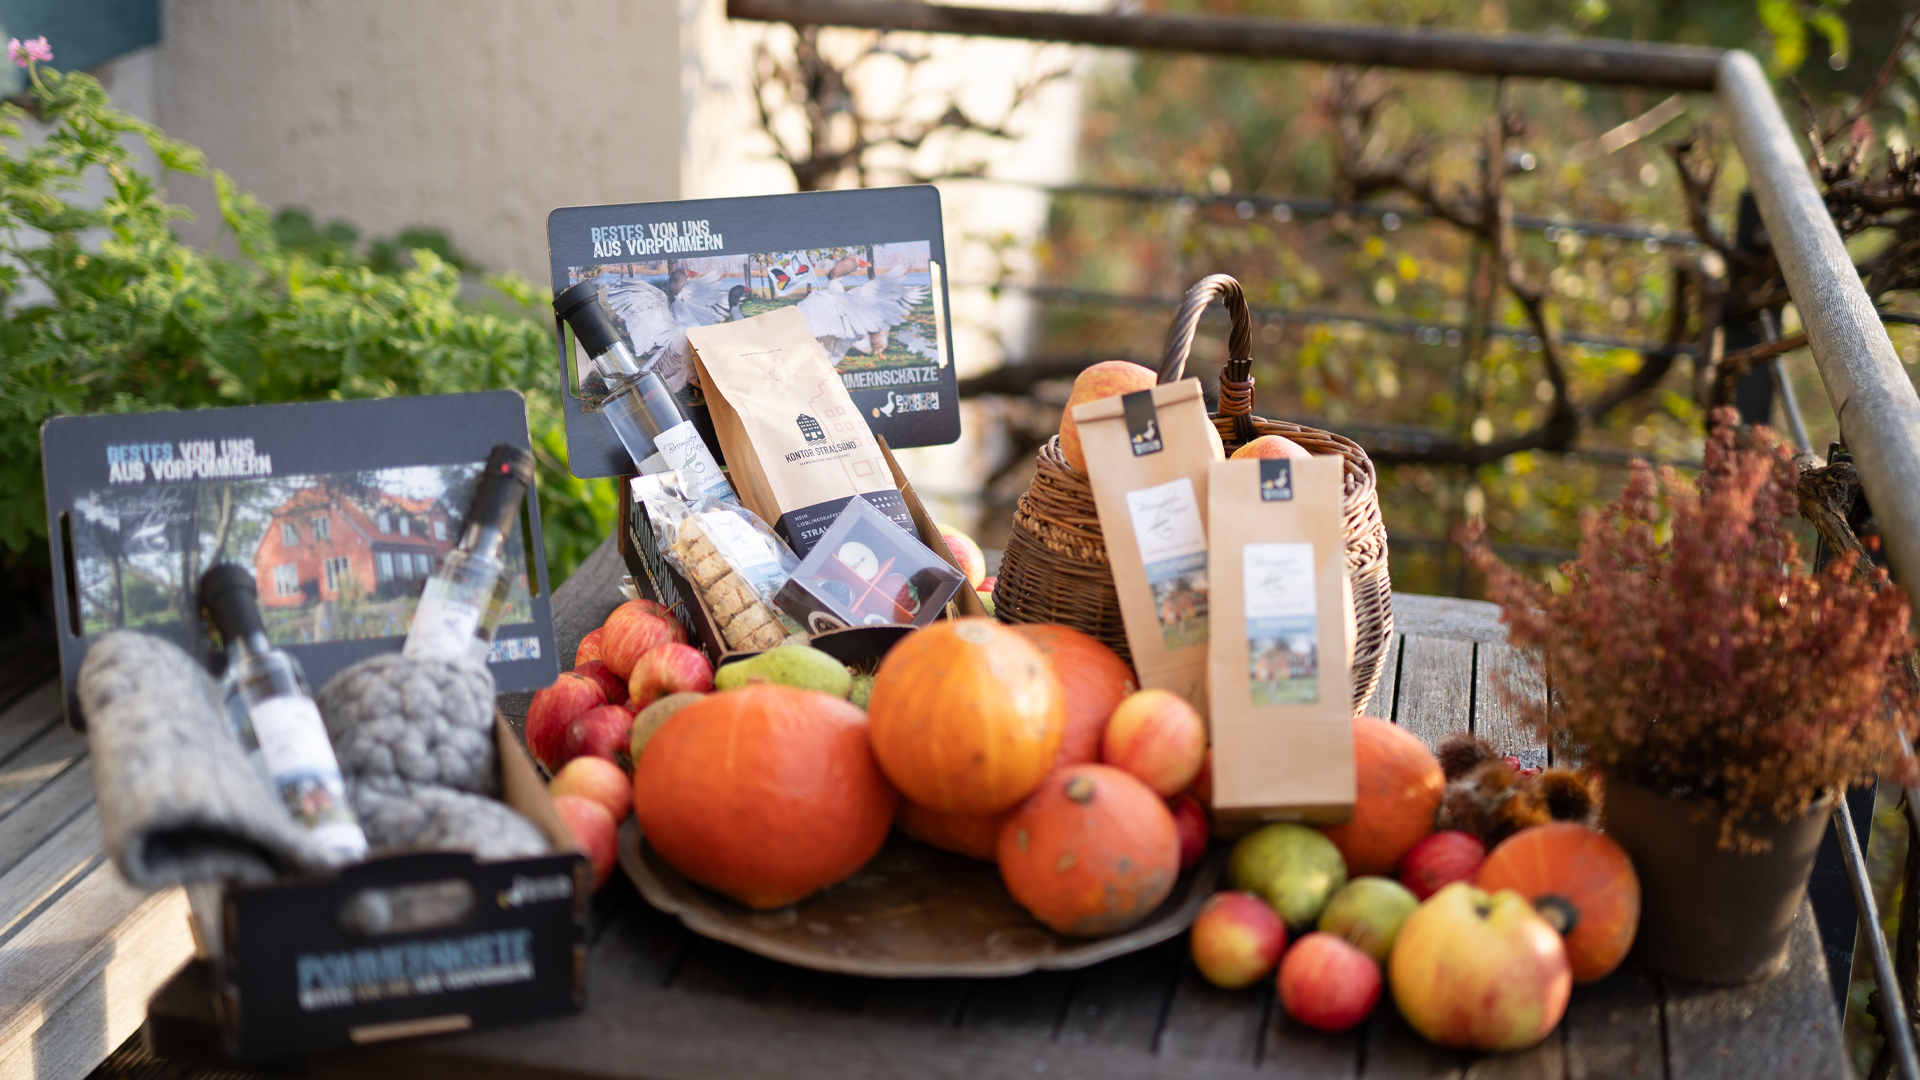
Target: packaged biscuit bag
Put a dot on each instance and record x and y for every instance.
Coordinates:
(732, 559)
(796, 445)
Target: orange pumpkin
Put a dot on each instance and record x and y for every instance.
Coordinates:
(1092, 852)
(765, 793)
(972, 835)
(1093, 679)
(965, 717)
(1399, 789)
(1581, 881)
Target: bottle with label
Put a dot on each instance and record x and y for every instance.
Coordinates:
(272, 712)
(643, 412)
(462, 601)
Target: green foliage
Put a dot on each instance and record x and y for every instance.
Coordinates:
(107, 311)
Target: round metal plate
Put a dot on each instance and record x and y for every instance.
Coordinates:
(912, 912)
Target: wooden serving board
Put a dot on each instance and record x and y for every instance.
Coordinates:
(912, 912)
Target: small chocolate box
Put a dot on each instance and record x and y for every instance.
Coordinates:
(867, 571)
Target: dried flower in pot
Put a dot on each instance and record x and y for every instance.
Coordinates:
(1725, 692)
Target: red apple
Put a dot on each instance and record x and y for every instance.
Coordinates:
(966, 553)
(1237, 939)
(1440, 860)
(1479, 972)
(594, 830)
(597, 779)
(987, 583)
(605, 732)
(610, 684)
(589, 648)
(672, 668)
(1109, 378)
(1271, 446)
(1328, 984)
(1159, 738)
(631, 631)
(553, 709)
(1190, 821)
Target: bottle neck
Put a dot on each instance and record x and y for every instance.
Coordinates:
(484, 541)
(247, 645)
(616, 362)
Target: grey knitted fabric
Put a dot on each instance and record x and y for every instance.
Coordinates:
(179, 799)
(441, 819)
(399, 722)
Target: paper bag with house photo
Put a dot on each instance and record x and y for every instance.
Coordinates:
(1281, 635)
(1147, 458)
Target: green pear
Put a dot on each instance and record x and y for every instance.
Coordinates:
(862, 691)
(1367, 912)
(1292, 867)
(800, 666)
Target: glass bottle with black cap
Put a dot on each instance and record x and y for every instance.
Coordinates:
(461, 604)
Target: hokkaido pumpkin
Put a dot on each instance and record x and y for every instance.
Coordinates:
(766, 793)
(972, 835)
(965, 717)
(1093, 679)
(1399, 788)
(1581, 882)
(1092, 852)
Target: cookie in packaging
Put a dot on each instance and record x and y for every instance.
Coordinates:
(729, 555)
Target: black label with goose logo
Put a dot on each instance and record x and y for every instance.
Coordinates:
(1276, 480)
(1143, 423)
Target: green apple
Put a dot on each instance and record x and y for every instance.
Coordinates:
(1367, 912)
(1292, 867)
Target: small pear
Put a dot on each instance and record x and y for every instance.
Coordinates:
(800, 666)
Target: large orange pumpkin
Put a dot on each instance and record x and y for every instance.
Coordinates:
(765, 793)
(1581, 881)
(965, 717)
(1093, 851)
(1399, 788)
(972, 835)
(1093, 679)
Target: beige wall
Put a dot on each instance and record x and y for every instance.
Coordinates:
(473, 116)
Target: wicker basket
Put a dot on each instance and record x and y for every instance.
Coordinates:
(1055, 567)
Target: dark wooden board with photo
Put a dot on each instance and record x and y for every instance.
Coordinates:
(867, 268)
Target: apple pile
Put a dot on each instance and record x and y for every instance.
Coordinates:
(1479, 949)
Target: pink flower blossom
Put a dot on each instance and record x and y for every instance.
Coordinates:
(23, 52)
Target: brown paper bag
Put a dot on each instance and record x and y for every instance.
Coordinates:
(1281, 635)
(1147, 457)
(797, 448)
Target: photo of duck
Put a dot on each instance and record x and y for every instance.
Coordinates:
(657, 319)
(857, 318)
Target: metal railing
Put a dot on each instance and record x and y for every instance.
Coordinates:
(1874, 400)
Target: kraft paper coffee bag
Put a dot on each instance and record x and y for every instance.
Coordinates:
(1281, 633)
(796, 447)
(1147, 458)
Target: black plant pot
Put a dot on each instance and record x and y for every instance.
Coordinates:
(1709, 915)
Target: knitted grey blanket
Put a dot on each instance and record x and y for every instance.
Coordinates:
(179, 799)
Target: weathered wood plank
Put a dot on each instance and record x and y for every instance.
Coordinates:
(711, 967)
(821, 990)
(28, 718)
(47, 869)
(27, 825)
(1023, 1009)
(38, 764)
(1396, 1052)
(1298, 1052)
(1381, 703)
(1206, 1023)
(919, 1003)
(1613, 1028)
(1498, 672)
(1119, 1004)
(1448, 618)
(1436, 687)
(1786, 1026)
(1545, 1061)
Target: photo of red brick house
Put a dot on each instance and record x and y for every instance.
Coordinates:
(323, 544)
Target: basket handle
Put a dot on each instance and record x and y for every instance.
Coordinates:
(1236, 378)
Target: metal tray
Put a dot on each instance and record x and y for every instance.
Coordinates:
(914, 912)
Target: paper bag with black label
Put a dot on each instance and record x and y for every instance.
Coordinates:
(1147, 457)
(796, 447)
(1282, 630)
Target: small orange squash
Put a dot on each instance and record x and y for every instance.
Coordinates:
(1400, 784)
(966, 717)
(1581, 882)
(766, 793)
(1092, 852)
(974, 835)
(1094, 679)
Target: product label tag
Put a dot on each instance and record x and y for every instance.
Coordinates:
(294, 746)
(1143, 422)
(1283, 638)
(1276, 480)
(748, 552)
(444, 626)
(685, 452)
(1173, 549)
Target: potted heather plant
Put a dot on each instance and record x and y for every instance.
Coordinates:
(1725, 694)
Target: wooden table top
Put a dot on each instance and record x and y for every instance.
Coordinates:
(80, 951)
